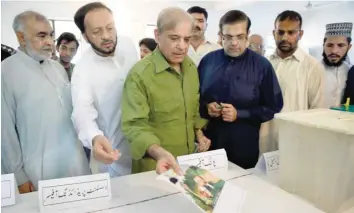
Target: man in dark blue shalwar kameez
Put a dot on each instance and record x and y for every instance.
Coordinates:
(239, 90)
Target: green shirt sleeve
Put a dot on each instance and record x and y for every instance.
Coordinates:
(199, 121)
(135, 116)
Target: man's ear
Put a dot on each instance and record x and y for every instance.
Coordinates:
(21, 38)
(350, 46)
(84, 35)
(301, 34)
(157, 35)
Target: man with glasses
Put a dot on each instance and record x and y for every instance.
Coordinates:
(301, 77)
(256, 43)
(239, 91)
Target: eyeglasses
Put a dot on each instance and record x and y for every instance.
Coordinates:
(229, 38)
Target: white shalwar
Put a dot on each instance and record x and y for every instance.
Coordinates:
(97, 85)
(38, 139)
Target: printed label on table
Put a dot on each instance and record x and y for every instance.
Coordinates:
(8, 185)
(268, 162)
(212, 160)
(64, 193)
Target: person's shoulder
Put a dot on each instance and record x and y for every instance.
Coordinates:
(86, 60)
(214, 46)
(214, 54)
(11, 65)
(144, 67)
(259, 59)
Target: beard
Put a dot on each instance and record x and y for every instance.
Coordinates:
(285, 47)
(42, 55)
(334, 64)
(102, 51)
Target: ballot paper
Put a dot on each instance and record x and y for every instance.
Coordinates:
(205, 189)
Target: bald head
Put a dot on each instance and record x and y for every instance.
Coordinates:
(256, 43)
(21, 20)
(170, 17)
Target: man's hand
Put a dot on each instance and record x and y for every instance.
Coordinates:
(103, 151)
(26, 187)
(203, 142)
(214, 110)
(229, 113)
(165, 160)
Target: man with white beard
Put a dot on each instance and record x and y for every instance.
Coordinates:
(38, 139)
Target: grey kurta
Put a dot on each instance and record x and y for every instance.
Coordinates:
(38, 140)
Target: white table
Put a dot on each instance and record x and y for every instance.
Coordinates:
(143, 193)
(317, 156)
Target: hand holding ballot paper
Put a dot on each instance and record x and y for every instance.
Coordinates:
(199, 185)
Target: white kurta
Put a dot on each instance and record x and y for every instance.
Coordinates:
(301, 79)
(201, 51)
(97, 85)
(38, 139)
(336, 78)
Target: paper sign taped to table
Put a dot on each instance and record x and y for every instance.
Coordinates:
(207, 191)
(59, 194)
(212, 160)
(268, 162)
(8, 190)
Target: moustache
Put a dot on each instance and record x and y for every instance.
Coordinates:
(197, 28)
(107, 42)
(334, 55)
(284, 42)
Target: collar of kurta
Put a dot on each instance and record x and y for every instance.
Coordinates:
(162, 64)
(298, 55)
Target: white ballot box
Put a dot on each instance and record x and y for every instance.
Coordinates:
(317, 156)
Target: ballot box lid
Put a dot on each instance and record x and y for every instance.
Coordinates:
(333, 120)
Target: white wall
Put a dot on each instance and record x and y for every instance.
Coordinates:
(315, 21)
(132, 16)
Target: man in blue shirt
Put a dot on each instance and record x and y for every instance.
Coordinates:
(239, 90)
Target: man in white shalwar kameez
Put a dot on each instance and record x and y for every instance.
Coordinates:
(38, 139)
(301, 76)
(97, 85)
(337, 43)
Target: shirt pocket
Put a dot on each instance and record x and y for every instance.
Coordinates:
(166, 111)
(243, 93)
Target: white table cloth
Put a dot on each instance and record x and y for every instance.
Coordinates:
(143, 193)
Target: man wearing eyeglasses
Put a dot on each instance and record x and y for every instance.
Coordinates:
(256, 44)
(239, 91)
(301, 76)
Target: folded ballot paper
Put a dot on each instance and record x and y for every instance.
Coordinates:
(210, 193)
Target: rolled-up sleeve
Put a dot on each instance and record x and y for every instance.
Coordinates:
(135, 116)
(84, 112)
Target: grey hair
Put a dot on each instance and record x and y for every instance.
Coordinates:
(170, 17)
(18, 23)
